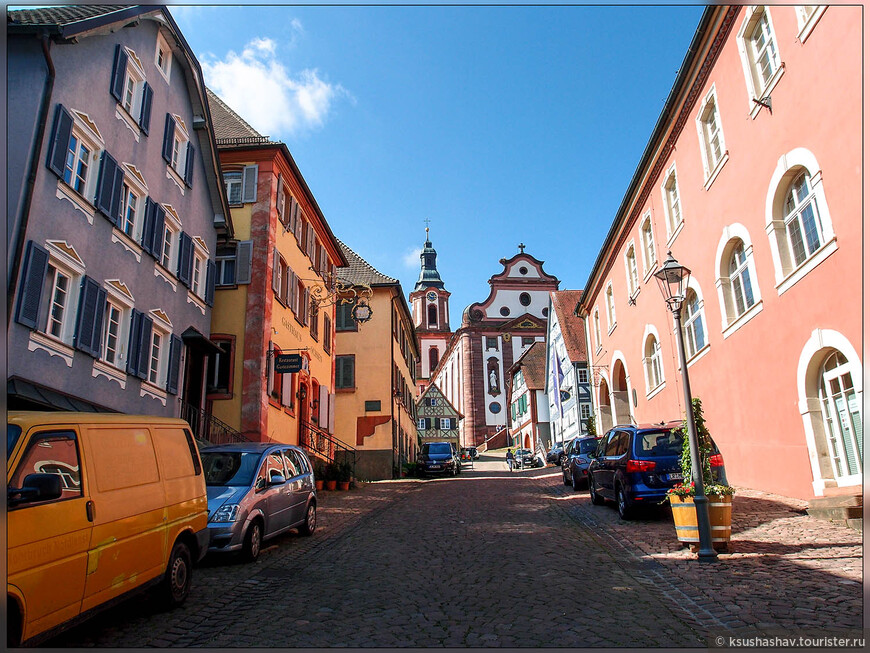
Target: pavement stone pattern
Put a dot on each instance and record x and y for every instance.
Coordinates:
(504, 559)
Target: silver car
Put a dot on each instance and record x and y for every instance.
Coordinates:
(257, 491)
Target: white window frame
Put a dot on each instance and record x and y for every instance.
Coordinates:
(161, 329)
(228, 184)
(596, 322)
(786, 273)
(117, 297)
(610, 305)
(731, 322)
(653, 365)
(807, 17)
(134, 83)
(711, 167)
(646, 235)
(63, 260)
(756, 86)
(631, 274)
(688, 320)
(135, 185)
(673, 204)
(178, 157)
(166, 69)
(172, 229)
(445, 424)
(85, 134)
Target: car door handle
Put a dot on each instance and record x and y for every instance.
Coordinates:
(89, 510)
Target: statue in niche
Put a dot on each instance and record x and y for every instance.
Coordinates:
(493, 381)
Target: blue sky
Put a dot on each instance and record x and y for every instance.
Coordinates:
(500, 124)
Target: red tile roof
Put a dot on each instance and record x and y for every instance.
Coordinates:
(534, 366)
(573, 332)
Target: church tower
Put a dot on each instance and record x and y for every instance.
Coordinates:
(430, 309)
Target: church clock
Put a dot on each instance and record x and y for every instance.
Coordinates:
(431, 296)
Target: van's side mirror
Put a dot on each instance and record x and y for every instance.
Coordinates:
(37, 487)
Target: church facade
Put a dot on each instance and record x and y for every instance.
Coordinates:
(494, 334)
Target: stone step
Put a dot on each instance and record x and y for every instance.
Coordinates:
(846, 509)
(837, 501)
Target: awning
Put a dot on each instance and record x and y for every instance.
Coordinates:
(196, 340)
(26, 395)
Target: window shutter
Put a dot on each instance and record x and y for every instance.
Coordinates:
(89, 322)
(145, 113)
(452, 423)
(249, 184)
(147, 240)
(276, 273)
(289, 282)
(175, 345)
(158, 226)
(108, 197)
(168, 136)
(331, 418)
(32, 280)
(61, 131)
(350, 372)
(244, 253)
(286, 392)
(427, 423)
(119, 72)
(185, 258)
(300, 227)
(209, 282)
(188, 164)
(270, 364)
(144, 352)
(294, 296)
(305, 308)
(133, 346)
(323, 406)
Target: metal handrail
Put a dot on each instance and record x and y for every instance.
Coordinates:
(322, 444)
(208, 428)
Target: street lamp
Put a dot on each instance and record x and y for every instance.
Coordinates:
(673, 280)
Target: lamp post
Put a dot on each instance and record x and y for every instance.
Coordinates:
(673, 279)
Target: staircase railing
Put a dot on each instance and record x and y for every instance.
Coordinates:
(208, 428)
(323, 445)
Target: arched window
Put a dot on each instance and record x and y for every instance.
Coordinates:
(805, 235)
(742, 296)
(652, 362)
(631, 270)
(692, 320)
(736, 279)
(596, 319)
(433, 315)
(433, 358)
(842, 416)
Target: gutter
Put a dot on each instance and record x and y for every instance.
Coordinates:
(24, 216)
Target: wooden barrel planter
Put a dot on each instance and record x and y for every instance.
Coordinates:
(686, 520)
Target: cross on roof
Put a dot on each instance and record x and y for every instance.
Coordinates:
(522, 248)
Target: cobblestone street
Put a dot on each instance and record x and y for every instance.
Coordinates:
(503, 559)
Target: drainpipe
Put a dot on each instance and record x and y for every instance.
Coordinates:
(21, 228)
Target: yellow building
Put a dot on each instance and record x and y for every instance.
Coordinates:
(272, 295)
(374, 372)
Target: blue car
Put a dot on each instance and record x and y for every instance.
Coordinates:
(636, 465)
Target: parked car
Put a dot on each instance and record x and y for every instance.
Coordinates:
(87, 500)
(526, 458)
(556, 452)
(469, 453)
(438, 458)
(257, 491)
(637, 465)
(575, 464)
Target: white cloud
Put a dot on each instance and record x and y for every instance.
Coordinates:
(411, 258)
(261, 89)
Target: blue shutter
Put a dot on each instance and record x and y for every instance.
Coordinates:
(58, 144)
(30, 290)
(188, 165)
(89, 323)
(168, 136)
(244, 253)
(185, 258)
(158, 224)
(148, 226)
(119, 72)
(427, 423)
(209, 283)
(175, 345)
(145, 113)
(108, 197)
(144, 352)
(133, 346)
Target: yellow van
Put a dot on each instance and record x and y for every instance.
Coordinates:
(99, 505)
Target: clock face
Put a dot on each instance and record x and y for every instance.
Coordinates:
(431, 296)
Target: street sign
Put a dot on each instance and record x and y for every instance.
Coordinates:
(285, 363)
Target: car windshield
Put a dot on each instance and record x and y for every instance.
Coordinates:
(13, 431)
(235, 468)
(659, 443)
(588, 446)
(437, 448)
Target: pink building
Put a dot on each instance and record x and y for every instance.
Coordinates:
(752, 178)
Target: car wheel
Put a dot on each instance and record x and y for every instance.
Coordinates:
(593, 495)
(175, 585)
(622, 506)
(310, 523)
(253, 541)
(574, 484)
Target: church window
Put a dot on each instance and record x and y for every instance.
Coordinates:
(492, 343)
(525, 299)
(505, 311)
(433, 315)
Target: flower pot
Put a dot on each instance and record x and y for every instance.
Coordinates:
(344, 486)
(318, 484)
(329, 485)
(686, 519)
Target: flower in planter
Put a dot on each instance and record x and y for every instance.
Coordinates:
(711, 487)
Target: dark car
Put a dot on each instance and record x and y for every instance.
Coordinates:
(575, 464)
(438, 458)
(525, 458)
(256, 491)
(637, 465)
(555, 454)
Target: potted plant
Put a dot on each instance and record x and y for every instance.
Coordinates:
(345, 472)
(719, 495)
(318, 475)
(330, 476)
